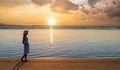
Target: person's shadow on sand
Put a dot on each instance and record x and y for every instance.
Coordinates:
(18, 65)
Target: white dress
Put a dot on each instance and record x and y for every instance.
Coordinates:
(26, 46)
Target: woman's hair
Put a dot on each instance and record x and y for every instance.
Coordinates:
(24, 34)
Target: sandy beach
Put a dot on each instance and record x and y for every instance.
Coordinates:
(60, 64)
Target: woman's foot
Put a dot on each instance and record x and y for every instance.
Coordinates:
(25, 60)
(21, 59)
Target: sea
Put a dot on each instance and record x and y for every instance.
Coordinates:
(61, 43)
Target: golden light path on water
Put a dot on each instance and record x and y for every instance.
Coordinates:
(51, 35)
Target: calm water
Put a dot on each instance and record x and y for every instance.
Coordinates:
(70, 43)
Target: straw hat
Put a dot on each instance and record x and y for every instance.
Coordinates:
(25, 31)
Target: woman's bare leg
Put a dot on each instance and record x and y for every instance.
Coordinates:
(25, 57)
(22, 57)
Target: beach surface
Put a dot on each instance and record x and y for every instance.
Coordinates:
(60, 64)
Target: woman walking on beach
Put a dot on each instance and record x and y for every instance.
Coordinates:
(26, 45)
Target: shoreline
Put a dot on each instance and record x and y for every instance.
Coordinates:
(60, 64)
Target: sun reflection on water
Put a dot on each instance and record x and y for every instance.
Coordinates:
(51, 35)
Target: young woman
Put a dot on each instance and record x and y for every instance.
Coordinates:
(26, 46)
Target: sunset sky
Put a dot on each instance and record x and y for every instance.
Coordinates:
(65, 12)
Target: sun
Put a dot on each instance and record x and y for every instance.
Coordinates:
(51, 21)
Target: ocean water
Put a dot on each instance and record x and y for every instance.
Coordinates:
(61, 43)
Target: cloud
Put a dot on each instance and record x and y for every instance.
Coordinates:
(86, 11)
(109, 7)
(114, 2)
(14, 3)
(93, 2)
(113, 9)
(42, 2)
(10, 3)
(64, 6)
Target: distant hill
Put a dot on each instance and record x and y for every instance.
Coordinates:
(8, 26)
(2, 24)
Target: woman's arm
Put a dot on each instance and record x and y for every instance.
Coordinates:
(23, 41)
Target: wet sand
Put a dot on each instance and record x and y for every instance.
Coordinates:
(60, 64)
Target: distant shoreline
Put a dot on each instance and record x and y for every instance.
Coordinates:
(57, 27)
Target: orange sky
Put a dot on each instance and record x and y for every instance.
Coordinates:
(65, 12)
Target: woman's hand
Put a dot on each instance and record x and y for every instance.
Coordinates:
(22, 42)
